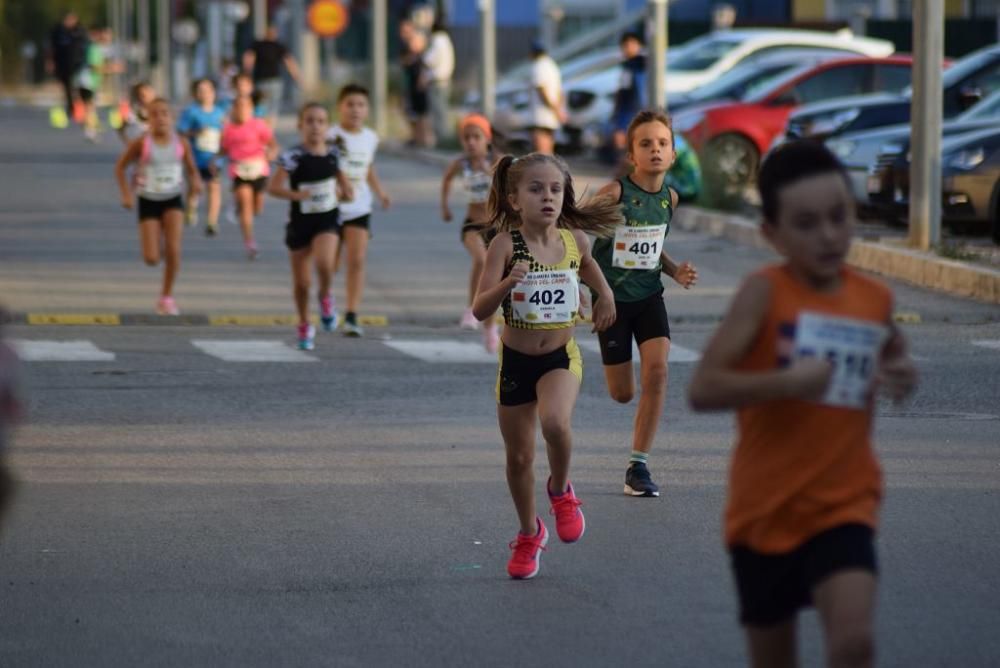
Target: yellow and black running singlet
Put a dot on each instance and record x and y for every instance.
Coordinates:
(548, 297)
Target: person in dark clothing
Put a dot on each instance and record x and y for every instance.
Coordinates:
(264, 60)
(68, 45)
(631, 94)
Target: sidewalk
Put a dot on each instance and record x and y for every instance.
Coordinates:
(887, 256)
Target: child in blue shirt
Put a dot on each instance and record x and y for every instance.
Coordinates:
(201, 123)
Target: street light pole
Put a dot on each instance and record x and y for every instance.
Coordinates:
(142, 34)
(163, 55)
(925, 118)
(259, 18)
(488, 57)
(380, 67)
(658, 61)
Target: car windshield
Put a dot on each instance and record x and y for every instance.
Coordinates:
(735, 84)
(703, 53)
(762, 89)
(961, 69)
(986, 110)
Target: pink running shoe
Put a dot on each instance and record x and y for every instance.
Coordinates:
(491, 338)
(468, 321)
(527, 553)
(167, 306)
(570, 524)
(252, 251)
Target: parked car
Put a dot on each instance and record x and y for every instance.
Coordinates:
(588, 125)
(965, 82)
(861, 151)
(731, 137)
(700, 61)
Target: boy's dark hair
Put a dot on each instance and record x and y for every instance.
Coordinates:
(631, 34)
(198, 82)
(792, 162)
(312, 105)
(352, 89)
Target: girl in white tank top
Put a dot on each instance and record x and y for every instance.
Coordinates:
(162, 160)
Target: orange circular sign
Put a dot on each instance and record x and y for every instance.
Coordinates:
(328, 18)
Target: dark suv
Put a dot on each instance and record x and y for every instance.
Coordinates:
(969, 80)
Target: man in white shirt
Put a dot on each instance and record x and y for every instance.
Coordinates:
(440, 60)
(547, 114)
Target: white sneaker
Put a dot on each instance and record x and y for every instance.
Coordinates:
(468, 321)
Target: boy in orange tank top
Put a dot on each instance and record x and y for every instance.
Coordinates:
(799, 355)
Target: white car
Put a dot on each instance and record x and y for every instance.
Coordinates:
(704, 59)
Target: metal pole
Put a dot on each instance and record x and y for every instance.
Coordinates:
(488, 57)
(259, 18)
(163, 55)
(658, 59)
(380, 67)
(925, 118)
(142, 32)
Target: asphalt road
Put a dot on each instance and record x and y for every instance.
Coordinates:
(348, 507)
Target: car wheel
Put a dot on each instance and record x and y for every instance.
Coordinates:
(731, 164)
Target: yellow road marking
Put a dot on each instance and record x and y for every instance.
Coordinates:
(73, 319)
(907, 317)
(285, 320)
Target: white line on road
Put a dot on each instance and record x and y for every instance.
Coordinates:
(988, 343)
(251, 351)
(678, 354)
(444, 350)
(60, 351)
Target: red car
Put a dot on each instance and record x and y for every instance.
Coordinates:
(731, 137)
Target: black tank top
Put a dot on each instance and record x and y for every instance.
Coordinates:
(317, 173)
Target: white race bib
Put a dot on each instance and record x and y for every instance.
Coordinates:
(544, 297)
(252, 169)
(163, 179)
(851, 346)
(355, 167)
(322, 196)
(477, 187)
(208, 140)
(638, 247)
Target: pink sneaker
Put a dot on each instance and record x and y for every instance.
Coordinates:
(252, 251)
(468, 321)
(527, 553)
(167, 306)
(491, 338)
(570, 524)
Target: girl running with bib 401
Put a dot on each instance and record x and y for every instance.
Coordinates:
(532, 270)
(249, 144)
(313, 230)
(632, 262)
(163, 158)
(475, 168)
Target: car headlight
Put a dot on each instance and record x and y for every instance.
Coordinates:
(827, 125)
(966, 160)
(685, 122)
(842, 148)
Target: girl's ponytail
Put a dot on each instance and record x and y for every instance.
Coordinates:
(498, 205)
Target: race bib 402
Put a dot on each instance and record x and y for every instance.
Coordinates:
(544, 297)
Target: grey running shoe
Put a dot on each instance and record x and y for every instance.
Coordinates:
(638, 481)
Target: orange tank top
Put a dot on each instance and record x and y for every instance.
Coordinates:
(801, 467)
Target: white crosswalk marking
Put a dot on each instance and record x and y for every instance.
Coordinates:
(678, 354)
(988, 343)
(60, 351)
(251, 351)
(444, 350)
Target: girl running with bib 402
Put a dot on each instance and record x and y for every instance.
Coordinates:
(249, 144)
(313, 230)
(632, 262)
(475, 168)
(532, 271)
(163, 158)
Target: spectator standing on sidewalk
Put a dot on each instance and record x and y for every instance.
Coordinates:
(416, 76)
(68, 45)
(263, 60)
(630, 97)
(547, 113)
(439, 59)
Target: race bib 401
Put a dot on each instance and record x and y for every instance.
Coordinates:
(851, 346)
(638, 247)
(544, 297)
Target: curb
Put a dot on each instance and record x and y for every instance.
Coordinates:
(186, 320)
(919, 268)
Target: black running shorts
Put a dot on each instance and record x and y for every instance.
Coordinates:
(258, 185)
(519, 373)
(152, 208)
(642, 320)
(299, 234)
(773, 587)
